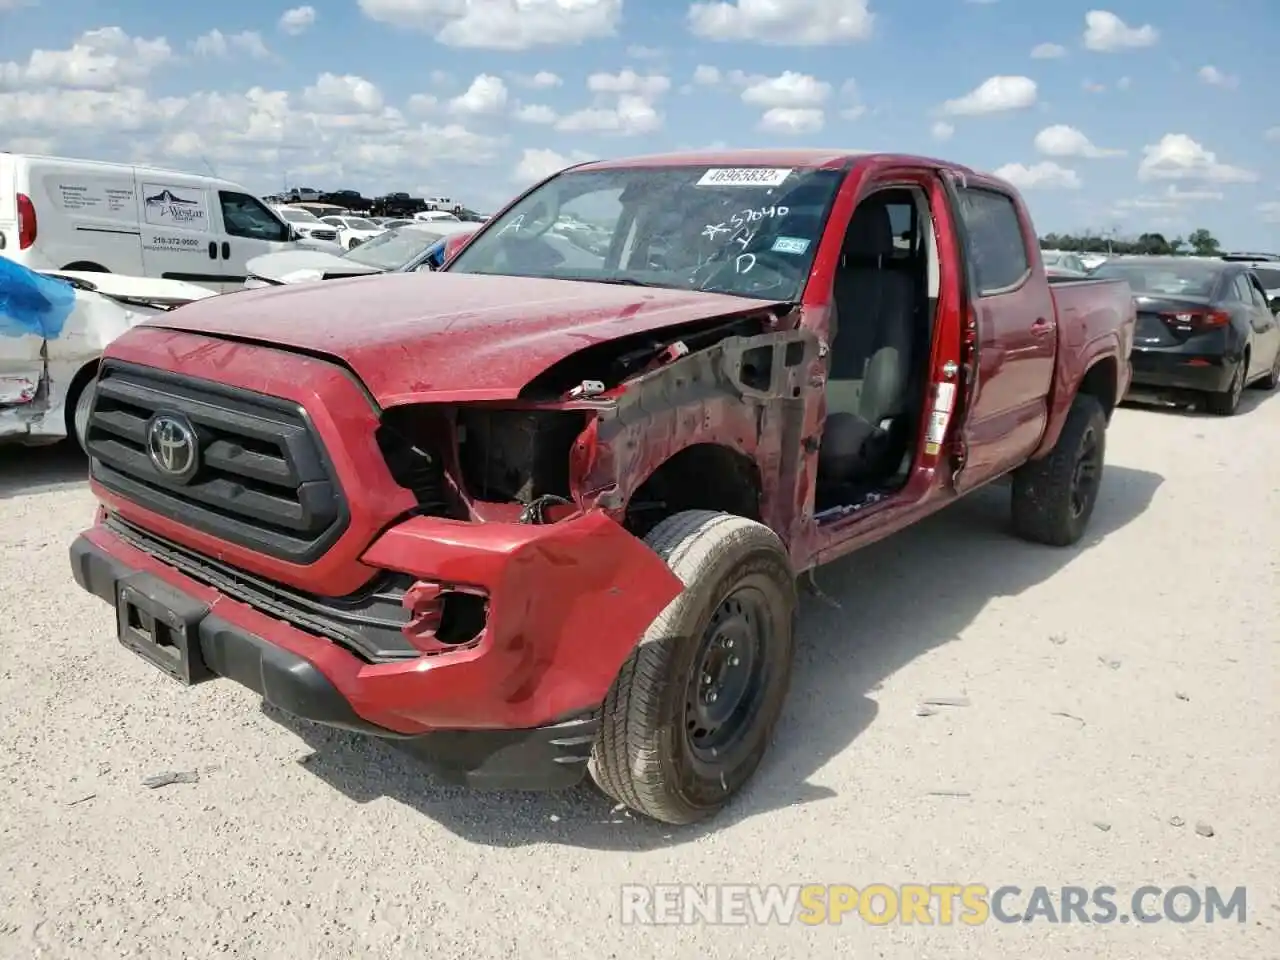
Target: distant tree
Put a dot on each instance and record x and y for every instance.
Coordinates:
(1201, 242)
(1204, 243)
(1153, 245)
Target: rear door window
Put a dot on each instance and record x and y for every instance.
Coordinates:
(996, 245)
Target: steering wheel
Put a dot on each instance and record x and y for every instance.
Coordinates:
(754, 272)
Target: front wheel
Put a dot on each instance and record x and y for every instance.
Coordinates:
(1272, 379)
(691, 713)
(1054, 497)
(80, 413)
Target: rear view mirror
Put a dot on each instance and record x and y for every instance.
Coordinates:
(1275, 304)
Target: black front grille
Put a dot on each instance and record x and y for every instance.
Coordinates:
(263, 480)
(368, 622)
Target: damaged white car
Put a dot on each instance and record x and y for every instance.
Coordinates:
(53, 328)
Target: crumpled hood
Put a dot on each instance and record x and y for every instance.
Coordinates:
(303, 266)
(415, 337)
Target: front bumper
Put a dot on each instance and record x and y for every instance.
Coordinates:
(517, 709)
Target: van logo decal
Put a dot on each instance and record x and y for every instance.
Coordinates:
(174, 206)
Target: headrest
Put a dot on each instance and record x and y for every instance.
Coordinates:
(870, 233)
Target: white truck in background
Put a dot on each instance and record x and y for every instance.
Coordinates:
(53, 329)
(58, 213)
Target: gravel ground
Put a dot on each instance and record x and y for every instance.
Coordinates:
(1117, 696)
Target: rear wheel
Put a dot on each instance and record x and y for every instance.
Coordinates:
(1227, 402)
(1054, 497)
(692, 710)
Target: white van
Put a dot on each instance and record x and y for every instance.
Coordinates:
(85, 215)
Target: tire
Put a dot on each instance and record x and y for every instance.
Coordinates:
(1226, 403)
(78, 420)
(1272, 379)
(1054, 497)
(657, 751)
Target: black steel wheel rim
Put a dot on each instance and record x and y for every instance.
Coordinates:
(728, 683)
(1084, 480)
(1237, 383)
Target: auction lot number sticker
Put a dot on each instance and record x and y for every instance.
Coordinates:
(744, 177)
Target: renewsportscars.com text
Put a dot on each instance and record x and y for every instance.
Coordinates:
(939, 904)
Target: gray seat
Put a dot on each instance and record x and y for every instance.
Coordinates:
(871, 351)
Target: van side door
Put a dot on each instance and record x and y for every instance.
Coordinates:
(177, 231)
(249, 229)
(1013, 327)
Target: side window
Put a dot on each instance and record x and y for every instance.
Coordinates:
(997, 247)
(1239, 292)
(1259, 295)
(245, 216)
(902, 219)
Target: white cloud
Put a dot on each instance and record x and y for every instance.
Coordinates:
(1045, 175)
(487, 94)
(297, 20)
(339, 129)
(791, 121)
(1048, 51)
(334, 94)
(1124, 83)
(1104, 32)
(98, 60)
(788, 89)
(639, 52)
(423, 103)
(1216, 78)
(537, 165)
(799, 23)
(1061, 140)
(1171, 199)
(501, 24)
(995, 95)
(536, 113)
(630, 116)
(629, 82)
(215, 43)
(1090, 87)
(707, 76)
(542, 80)
(1178, 157)
(942, 130)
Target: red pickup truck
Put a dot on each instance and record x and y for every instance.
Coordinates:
(543, 512)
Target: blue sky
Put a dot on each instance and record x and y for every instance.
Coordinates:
(1145, 115)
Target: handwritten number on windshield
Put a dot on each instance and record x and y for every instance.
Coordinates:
(744, 263)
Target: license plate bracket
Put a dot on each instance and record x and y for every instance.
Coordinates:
(162, 626)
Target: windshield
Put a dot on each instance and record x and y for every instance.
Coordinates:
(746, 232)
(1175, 278)
(392, 250)
(298, 216)
(359, 223)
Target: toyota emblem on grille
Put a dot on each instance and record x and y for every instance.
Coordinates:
(171, 445)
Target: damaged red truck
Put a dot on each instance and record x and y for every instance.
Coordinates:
(542, 513)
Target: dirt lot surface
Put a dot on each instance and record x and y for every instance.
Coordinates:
(1114, 697)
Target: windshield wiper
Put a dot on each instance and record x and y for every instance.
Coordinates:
(629, 282)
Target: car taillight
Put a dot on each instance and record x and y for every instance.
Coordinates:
(1197, 319)
(26, 222)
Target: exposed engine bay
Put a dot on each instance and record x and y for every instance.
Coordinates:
(522, 462)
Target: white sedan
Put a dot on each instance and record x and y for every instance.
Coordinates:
(353, 231)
